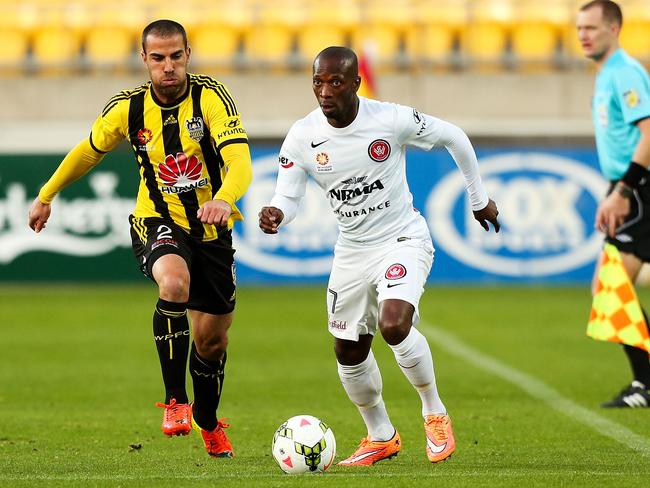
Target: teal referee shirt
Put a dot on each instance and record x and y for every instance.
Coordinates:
(621, 98)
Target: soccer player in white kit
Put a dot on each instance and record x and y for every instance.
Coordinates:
(354, 148)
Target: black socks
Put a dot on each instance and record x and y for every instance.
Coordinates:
(171, 333)
(207, 377)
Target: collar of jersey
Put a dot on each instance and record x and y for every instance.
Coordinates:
(176, 102)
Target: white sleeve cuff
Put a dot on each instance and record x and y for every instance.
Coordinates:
(288, 205)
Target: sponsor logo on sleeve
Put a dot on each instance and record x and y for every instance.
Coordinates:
(631, 98)
(285, 163)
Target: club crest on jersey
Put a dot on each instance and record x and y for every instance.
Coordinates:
(180, 173)
(395, 272)
(323, 161)
(195, 128)
(379, 150)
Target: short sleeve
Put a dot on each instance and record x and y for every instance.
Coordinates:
(109, 129)
(292, 177)
(415, 128)
(633, 93)
(222, 117)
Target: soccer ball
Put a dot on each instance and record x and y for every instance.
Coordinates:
(304, 444)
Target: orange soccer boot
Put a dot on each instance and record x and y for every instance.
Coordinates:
(216, 441)
(440, 438)
(369, 452)
(176, 419)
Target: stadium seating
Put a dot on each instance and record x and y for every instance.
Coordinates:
(271, 41)
(383, 29)
(537, 31)
(15, 43)
(400, 34)
(438, 24)
(485, 39)
(635, 36)
(56, 48)
(108, 47)
(326, 24)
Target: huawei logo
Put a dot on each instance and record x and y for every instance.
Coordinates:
(180, 173)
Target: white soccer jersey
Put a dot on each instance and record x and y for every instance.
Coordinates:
(362, 168)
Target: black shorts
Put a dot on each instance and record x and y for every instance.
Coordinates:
(633, 236)
(211, 264)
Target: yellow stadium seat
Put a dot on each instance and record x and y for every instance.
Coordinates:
(537, 30)
(385, 27)
(15, 45)
(313, 38)
(214, 45)
(382, 40)
(56, 47)
(534, 41)
(218, 34)
(635, 38)
(438, 23)
(272, 39)
(485, 42)
(486, 37)
(269, 44)
(326, 24)
(108, 47)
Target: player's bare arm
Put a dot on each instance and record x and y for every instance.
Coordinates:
(488, 214)
(615, 207)
(39, 213)
(216, 212)
(270, 219)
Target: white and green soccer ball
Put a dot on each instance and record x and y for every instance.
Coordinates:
(304, 444)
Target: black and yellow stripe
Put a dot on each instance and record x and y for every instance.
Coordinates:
(198, 125)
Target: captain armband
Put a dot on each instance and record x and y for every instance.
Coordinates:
(634, 174)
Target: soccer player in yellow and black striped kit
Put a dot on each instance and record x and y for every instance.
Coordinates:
(194, 163)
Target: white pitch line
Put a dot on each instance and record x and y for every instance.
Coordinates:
(537, 389)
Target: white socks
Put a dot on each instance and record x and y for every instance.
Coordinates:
(362, 382)
(414, 359)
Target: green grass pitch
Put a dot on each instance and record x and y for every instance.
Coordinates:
(79, 378)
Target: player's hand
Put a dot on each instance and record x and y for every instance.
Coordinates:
(38, 214)
(215, 212)
(270, 218)
(488, 214)
(611, 213)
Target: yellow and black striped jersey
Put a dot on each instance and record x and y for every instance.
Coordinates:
(178, 149)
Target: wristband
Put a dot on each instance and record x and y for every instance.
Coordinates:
(634, 174)
(624, 190)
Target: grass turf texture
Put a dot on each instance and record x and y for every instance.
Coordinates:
(79, 378)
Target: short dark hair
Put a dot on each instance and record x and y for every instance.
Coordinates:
(345, 55)
(164, 28)
(611, 11)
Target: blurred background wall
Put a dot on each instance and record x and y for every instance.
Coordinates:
(509, 72)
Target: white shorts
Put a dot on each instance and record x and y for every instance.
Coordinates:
(363, 278)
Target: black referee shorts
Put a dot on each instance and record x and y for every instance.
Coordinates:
(211, 264)
(633, 236)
